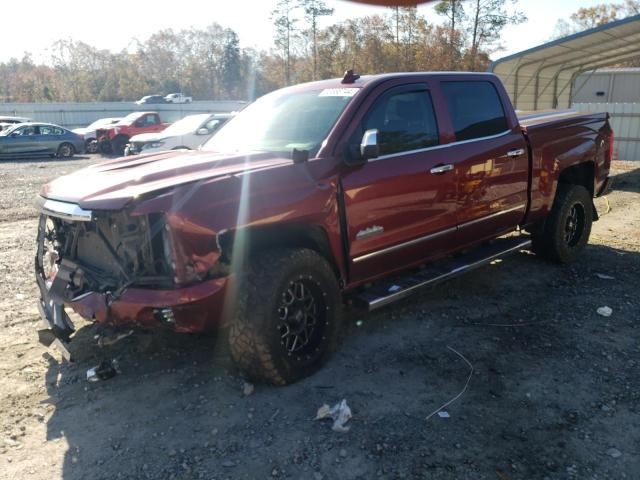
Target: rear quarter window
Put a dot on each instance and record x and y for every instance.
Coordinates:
(475, 109)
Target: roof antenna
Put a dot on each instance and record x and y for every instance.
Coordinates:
(350, 77)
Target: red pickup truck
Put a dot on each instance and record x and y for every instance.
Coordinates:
(114, 138)
(354, 191)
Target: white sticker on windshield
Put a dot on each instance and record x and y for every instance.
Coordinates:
(338, 92)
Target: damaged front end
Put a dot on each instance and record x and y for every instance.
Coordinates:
(83, 253)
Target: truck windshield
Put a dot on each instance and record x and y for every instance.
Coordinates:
(186, 125)
(129, 119)
(282, 121)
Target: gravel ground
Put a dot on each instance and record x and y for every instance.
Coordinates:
(553, 394)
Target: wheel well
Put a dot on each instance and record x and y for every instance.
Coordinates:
(257, 239)
(581, 174)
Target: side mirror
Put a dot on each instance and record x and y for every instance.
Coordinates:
(202, 131)
(369, 147)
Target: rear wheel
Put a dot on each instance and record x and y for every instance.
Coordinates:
(65, 150)
(288, 315)
(567, 229)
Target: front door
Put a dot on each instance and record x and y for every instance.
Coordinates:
(23, 141)
(400, 207)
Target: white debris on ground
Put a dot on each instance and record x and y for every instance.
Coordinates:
(605, 311)
(340, 413)
(247, 389)
(603, 276)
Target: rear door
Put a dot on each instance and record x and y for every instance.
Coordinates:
(491, 160)
(398, 212)
(49, 139)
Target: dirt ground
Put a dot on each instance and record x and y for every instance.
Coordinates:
(554, 392)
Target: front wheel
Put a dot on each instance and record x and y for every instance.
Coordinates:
(287, 319)
(91, 146)
(567, 229)
(118, 144)
(104, 145)
(65, 150)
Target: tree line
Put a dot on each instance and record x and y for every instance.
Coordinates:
(209, 63)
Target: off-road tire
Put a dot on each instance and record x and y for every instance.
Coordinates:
(104, 146)
(65, 150)
(118, 144)
(255, 334)
(572, 211)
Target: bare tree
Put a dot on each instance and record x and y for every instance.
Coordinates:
(284, 19)
(454, 12)
(313, 10)
(487, 20)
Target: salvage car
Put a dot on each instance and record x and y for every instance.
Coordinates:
(39, 139)
(90, 133)
(114, 138)
(356, 191)
(188, 133)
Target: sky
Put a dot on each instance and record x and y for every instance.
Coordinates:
(116, 22)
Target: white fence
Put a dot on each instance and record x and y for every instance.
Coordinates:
(72, 115)
(625, 121)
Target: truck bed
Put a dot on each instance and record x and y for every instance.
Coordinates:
(557, 140)
(529, 119)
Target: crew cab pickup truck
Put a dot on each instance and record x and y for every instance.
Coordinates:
(114, 138)
(355, 191)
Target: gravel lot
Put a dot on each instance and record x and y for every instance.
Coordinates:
(554, 392)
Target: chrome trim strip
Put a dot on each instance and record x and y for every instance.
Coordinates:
(382, 301)
(434, 235)
(438, 147)
(403, 245)
(66, 211)
(493, 215)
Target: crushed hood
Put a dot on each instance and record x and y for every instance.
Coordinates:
(111, 185)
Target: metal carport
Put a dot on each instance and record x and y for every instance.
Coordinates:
(543, 77)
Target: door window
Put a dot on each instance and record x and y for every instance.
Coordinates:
(27, 131)
(151, 120)
(475, 109)
(212, 125)
(405, 121)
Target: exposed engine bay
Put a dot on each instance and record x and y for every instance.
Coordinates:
(105, 255)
